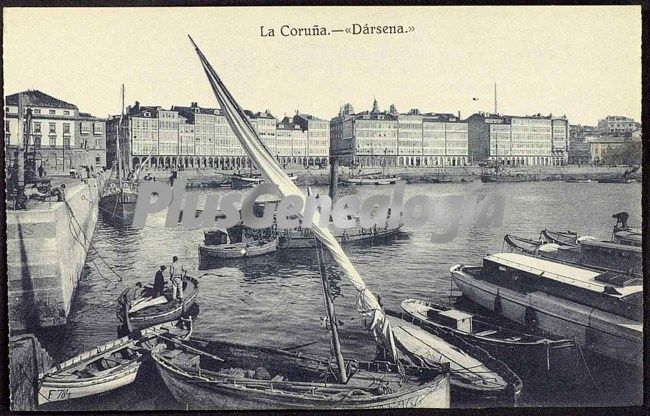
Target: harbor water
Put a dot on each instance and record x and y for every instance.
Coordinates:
(279, 301)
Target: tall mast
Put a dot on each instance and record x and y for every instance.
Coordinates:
(331, 314)
(119, 137)
(495, 98)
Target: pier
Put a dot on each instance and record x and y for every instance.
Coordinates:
(46, 250)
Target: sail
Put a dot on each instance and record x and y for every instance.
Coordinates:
(367, 303)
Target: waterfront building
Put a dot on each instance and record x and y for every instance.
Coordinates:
(61, 136)
(390, 138)
(518, 140)
(579, 150)
(617, 125)
(615, 149)
(200, 137)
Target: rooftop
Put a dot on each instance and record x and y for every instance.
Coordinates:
(36, 98)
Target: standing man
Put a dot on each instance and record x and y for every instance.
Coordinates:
(177, 273)
(40, 171)
(159, 282)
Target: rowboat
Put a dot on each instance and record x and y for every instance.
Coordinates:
(171, 310)
(106, 367)
(214, 254)
(237, 250)
(518, 348)
(475, 374)
(601, 311)
(222, 375)
(251, 377)
(578, 181)
(240, 181)
(370, 181)
(597, 255)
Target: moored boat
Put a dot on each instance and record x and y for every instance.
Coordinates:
(601, 311)
(156, 313)
(475, 374)
(561, 237)
(371, 181)
(213, 254)
(516, 347)
(219, 375)
(304, 238)
(106, 367)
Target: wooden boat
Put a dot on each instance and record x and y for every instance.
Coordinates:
(243, 181)
(304, 239)
(601, 311)
(211, 254)
(371, 181)
(578, 181)
(561, 237)
(106, 367)
(518, 348)
(214, 374)
(172, 310)
(474, 373)
(293, 381)
(590, 253)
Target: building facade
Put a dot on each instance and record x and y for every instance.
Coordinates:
(615, 149)
(390, 138)
(518, 140)
(617, 125)
(200, 137)
(62, 137)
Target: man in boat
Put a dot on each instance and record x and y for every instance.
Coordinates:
(127, 297)
(159, 282)
(177, 273)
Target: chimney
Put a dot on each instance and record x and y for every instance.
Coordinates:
(194, 104)
(459, 114)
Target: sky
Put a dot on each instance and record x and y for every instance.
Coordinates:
(582, 62)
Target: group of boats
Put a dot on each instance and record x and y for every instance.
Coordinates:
(542, 311)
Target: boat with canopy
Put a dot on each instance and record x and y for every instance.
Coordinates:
(199, 374)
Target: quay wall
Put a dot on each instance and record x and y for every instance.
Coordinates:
(212, 178)
(46, 251)
(27, 359)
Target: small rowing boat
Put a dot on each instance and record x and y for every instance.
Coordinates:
(158, 312)
(475, 374)
(211, 255)
(515, 346)
(106, 367)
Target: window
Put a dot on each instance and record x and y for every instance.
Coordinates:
(66, 128)
(37, 111)
(52, 128)
(66, 112)
(7, 126)
(66, 142)
(37, 127)
(37, 142)
(52, 112)
(52, 141)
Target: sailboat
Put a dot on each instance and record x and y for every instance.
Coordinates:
(225, 375)
(120, 194)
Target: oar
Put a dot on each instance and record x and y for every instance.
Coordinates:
(299, 346)
(214, 357)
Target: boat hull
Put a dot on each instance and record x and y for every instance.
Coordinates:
(368, 181)
(597, 331)
(165, 313)
(210, 255)
(120, 206)
(298, 240)
(200, 388)
(198, 394)
(532, 355)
